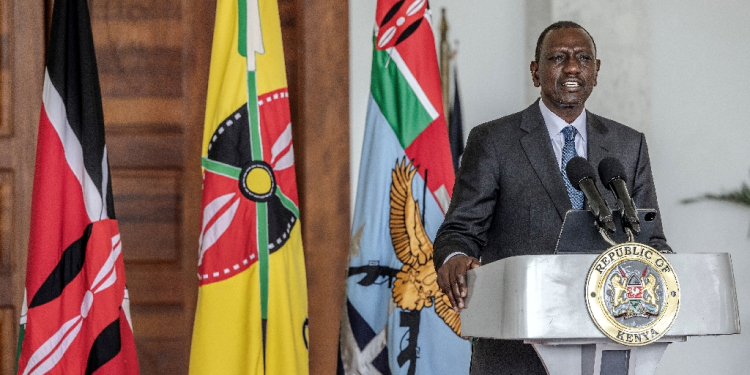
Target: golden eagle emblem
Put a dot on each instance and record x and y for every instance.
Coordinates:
(416, 283)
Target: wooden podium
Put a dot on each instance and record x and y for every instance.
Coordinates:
(541, 299)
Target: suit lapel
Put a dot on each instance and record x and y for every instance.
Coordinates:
(597, 135)
(538, 148)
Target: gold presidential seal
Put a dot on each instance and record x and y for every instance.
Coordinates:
(632, 294)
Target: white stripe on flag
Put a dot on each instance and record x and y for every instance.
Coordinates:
(57, 114)
(401, 64)
(49, 346)
(57, 355)
(105, 180)
(443, 198)
(208, 214)
(109, 267)
(284, 140)
(212, 234)
(285, 161)
(126, 308)
(24, 308)
(254, 33)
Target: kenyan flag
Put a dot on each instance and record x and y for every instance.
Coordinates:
(395, 319)
(252, 301)
(75, 314)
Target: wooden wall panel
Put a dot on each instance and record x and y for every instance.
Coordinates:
(153, 59)
(21, 65)
(135, 10)
(152, 71)
(127, 112)
(154, 284)
(289, 16)
(7, 344)
(6, 130)
(8, 278)
(6, 221)
(5, 69)
(153, 62)
(319, 91)
(164, 357)
(146, 145)
(147, 204)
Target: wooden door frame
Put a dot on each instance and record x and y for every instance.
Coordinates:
(25, 59)
(321, 140)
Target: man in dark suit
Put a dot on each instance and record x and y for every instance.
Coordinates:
(511, 195)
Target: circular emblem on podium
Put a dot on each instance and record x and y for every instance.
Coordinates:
(632, 294)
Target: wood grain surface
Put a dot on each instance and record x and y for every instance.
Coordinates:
(153, 60)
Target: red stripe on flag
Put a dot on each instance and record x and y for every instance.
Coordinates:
(430, 150)
(58, 214)
(275, 117)
(418, 52)
(235, 249)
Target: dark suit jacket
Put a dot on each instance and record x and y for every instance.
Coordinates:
(509, 197)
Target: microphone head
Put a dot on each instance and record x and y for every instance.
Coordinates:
(611, 168)
(577, 169)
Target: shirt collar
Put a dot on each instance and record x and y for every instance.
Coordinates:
(555, 124)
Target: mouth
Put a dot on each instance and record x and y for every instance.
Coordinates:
(571, 84)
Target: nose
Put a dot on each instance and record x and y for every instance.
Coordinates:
(571, 66)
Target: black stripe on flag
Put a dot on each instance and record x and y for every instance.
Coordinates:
(455, 130)
(106, 346)
(69, 266)
(71, 64)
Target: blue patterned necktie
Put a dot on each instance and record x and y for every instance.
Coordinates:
(569, 152)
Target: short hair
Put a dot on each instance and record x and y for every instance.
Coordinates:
(556, 26)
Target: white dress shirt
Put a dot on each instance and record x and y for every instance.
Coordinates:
(555, 126)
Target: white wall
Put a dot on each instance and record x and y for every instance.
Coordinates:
(492, 68)
(361, 22)
(700, 143)
(622, 35)
(696, 81)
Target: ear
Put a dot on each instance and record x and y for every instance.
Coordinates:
(534, 68)
(596, 73)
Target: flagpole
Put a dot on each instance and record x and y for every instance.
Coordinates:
(445, 60)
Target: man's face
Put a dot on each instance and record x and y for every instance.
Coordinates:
(567, 69)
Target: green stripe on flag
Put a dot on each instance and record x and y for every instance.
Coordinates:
(396, 99)
(287, 202)
(221, 168)
(21, 334)
(242, 29)
(262, 211)
(261, 207)
(252, 109)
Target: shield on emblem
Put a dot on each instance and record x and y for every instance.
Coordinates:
(635, 288)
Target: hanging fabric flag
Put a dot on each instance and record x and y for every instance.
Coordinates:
(395, 319)
(75, 317)
(252, 298)
(456, 130)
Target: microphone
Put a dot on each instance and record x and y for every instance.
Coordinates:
(612, 175)
(581, 176)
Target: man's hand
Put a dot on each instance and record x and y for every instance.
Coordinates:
(452, 278)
